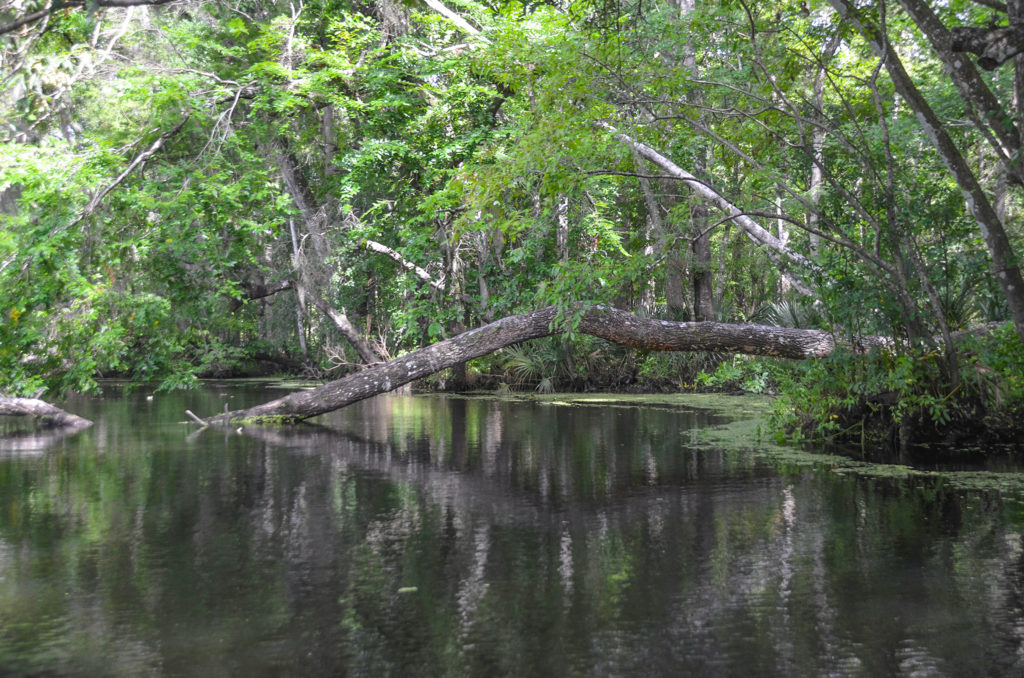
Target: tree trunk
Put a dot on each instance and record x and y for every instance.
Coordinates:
(607, 323)
(818, 144)
(300, 297)
(1003, 261)
(1015, 11)
(301, 195)
(702, 276)
(654, 232)
(43, 412)
(984, 109)
(562, 228)
(305, 280)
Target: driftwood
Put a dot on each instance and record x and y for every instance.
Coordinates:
(44, 413)
(608, 323)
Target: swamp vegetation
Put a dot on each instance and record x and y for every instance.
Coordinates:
(193, 188)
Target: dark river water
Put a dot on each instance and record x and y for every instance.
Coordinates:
(440, 536)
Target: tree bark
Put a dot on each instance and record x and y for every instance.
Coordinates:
(620, 327)
(817, 179)
(301, 194)
(305, 280)
(43, 412)
(702, 276)
(562, 228)
(1015, 12)
(260, 291)
(300, 299)
(654, 232)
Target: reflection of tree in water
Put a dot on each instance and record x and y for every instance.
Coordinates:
(433, 537)
(751, 568)
(18, 442)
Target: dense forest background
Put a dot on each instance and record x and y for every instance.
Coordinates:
(193, 189)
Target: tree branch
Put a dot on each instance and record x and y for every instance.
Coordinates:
(994, 46)
(340, 321)
(420, 273)
(464, 25)
(982, 106)
(754, 230)
(993, 4)
(1001, 255)
(140, 159)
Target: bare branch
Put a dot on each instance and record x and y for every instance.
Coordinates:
(754, 230)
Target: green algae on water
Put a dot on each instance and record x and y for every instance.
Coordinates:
(746, 434)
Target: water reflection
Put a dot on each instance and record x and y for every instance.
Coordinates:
(29, 443)
(439, 536)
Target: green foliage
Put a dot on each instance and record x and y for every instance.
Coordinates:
(994, 369)
(840, 396)
(541, 364)
(674, 370)
(754, 375)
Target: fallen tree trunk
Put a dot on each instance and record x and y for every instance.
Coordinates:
(612, 324)
(43, 412)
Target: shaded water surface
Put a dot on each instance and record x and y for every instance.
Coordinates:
(434, 536)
